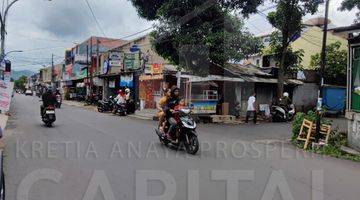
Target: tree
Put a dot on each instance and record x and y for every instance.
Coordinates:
(20, 83)
(336, 62)
(288, 20)
(349, 5)
(196, 34)
(293, 59)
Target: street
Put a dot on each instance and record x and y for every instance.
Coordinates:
(87, 154)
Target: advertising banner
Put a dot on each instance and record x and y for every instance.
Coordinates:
(132, 61)
(127, 81)
(6, 90)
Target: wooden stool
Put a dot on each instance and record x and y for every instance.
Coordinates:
(308, 130)
(305, 132)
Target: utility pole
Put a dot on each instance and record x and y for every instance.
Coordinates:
(87, 65)
(322, 69)
(97, 61)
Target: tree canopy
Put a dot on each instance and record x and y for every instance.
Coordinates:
(349, 5)
(20, 83)
(336, 62)
(194, 34)
(287, 18)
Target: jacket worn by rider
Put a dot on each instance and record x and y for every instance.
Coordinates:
(49, 99)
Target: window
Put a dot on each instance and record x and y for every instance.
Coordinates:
(355, 96)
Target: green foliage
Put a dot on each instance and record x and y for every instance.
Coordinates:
(293, 59)
(299, 118)
(350, 5)
(288, 20)
(20, 83)
(336, 139)
(336, 62)
(196, 34)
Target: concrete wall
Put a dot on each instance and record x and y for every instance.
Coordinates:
(305, 96)
(353, 129)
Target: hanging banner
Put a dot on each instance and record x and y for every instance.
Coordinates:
(127, 81)
(6, 90)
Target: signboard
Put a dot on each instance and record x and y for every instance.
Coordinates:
(115, 63)
(156, 68)
(204, 107)
(127, 81)
(80, 58)
(106, 67)
(115, 55)
(132, 61)
(7, 76)
(112, 84)
(6, 90)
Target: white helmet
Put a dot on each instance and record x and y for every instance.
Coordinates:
(127, 90)
(286, 94)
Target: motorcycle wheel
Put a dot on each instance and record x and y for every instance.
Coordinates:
(48, 124)
(100, 109)
(192, 146)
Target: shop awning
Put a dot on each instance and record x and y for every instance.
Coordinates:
(195, 79)
(271, 80)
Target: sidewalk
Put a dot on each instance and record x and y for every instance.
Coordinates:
(80, 105)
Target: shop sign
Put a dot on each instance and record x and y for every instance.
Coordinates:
(204, 107)
(115, 55)
(127, 81)
(132, 61)
(79, 58)
(112, 84)
(157, 68)
(115, 63)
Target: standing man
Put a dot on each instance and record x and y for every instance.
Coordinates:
(251, 108)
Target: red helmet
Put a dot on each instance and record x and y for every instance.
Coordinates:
(120, 92)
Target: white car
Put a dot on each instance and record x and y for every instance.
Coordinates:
(28, 93)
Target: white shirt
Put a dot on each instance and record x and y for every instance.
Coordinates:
(251, 102)
(120, 99)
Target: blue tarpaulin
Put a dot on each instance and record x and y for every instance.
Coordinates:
(334, 98)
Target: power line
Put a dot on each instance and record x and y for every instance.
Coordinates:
(95, 18)
(142, 31)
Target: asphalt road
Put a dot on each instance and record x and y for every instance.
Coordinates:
(87, 154)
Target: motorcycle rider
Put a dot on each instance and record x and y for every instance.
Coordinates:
(162, 109)
(285, 101)
(173, 101)
(48, 99)
(119, 99)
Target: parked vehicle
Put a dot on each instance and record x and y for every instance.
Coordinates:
(106, 105)
(28, 92)
(48, 116)
(92, 99)
(58, 101)
(282, 113)
(120, 109)
(184, 124)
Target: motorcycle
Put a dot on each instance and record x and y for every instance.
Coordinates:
(48, 116)
(58, 101)
(120, 109)
(106, 105)
(183, 124)
(282, 113)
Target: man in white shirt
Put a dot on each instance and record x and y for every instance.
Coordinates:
(251, 108)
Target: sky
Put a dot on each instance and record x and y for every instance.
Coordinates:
(41, 28)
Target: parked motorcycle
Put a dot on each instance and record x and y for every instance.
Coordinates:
(120, 109)
(48, 116)
(282, 113)
(184, 124)
(58, 101)
(106, 105)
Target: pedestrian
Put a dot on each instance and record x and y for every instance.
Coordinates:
(251, 109)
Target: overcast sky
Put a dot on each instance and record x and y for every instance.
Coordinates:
(41, 27)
